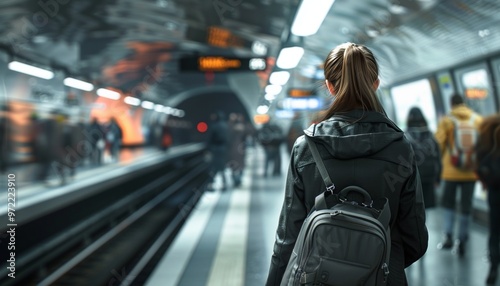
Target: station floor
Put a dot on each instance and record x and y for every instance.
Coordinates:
(228, 238)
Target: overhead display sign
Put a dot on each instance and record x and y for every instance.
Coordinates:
(221, 64)
(300, 92)
(476, 93)
(224, 38)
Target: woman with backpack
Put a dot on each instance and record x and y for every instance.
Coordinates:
(426, 154)
(488, 168)
(359, 146)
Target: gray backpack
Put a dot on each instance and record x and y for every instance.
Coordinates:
(346, 244)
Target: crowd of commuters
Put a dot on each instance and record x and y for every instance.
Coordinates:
(460, 177)
(60, 145)
(227, 142)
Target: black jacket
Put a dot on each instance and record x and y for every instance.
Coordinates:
(427, 153)
(372, 153)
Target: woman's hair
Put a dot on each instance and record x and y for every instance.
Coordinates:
(416, 118)
(489, 134)
(352, 70)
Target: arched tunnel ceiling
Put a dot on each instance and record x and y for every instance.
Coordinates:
(429, 35)
(135, 45)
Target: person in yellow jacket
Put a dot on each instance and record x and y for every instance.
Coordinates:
(455, 177)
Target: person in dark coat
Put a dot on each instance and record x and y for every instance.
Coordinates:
(271, 137)
(95, 135)
(47, 145)
(238, 134)
(218, 146)
(488, 170)
(427, 154)
(364, 148)
(5, 140)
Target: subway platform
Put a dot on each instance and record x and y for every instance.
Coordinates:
(228, 237)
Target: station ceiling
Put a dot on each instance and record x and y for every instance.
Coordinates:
(132, 44)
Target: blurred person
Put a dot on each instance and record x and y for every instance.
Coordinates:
(364, 148)
(95, 134)
(72, 136)
(238, 134)
(5, 139)
(454, 177)
(46, 145)
(113, 139)
(166, 137)
(270, 136)
(116, 141)
(295, 131)
(218, 147)
(427, 154)
(488, 171)
(65, 163)
(82, 143)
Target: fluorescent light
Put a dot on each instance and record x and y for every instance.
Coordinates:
(158, 108)
(310, 16)
(289, 57)
(259, 48)
(262, 109)
(286, 114)
(397, 9)
(257, 64)
(30, 70)
(108, 93)
(270, 97)
(167, 109)
(273, 89)
(147, 105)
(178, 113)
(132, 100)
(79, 84)
(279, 77)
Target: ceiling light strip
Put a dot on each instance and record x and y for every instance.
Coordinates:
(78, 84)
(310, 16)
(108, 93)
(30, 70)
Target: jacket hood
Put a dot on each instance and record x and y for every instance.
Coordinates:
(355, 134)
(462, 112)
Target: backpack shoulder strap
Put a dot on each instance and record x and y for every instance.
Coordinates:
(320, 201)
(320, 165)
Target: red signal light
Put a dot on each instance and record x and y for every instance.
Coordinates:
(202, 127)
